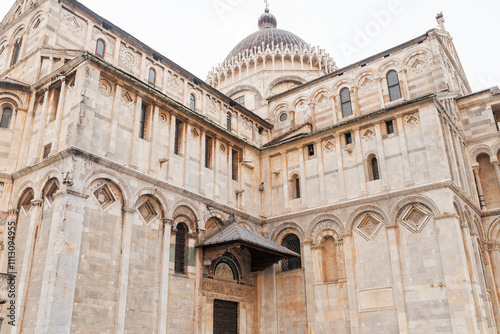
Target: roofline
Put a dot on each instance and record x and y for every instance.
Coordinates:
(352, 66)
(169, 62)
(491, 90)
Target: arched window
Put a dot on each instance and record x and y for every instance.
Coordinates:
(393, 84)
(16, 52)
(100, 48)
(152, 77)
(345, 102)
(6, 115)
(295, 186)
(373, 166)
(180, 248)
(291, 242)
(329, 259)
(228, 121)
(192, 102)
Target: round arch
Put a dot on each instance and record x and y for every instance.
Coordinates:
(113, 176)
(362, 209)
(283, 229)
(412, 199)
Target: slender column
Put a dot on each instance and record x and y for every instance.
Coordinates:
(404, 152)
(135, 134)
(491, 253)
(27, 133)
(497, 171)
(381, 92)
(308, 277)
(116, 54)
(185, 153)
(355, 99)
(165, 270)
(351, 282)
(154, 124)
(316, 262)
(35, 143)
(124, 269)
(115, 114)
(58, 139)
(479, 186)
(397, 277)
(340, 168)
(334, 108)
(24, 274)
(404, 81)
(312, 106)
(361, 163)
(321, 171)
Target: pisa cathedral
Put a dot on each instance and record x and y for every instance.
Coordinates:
(282, 194)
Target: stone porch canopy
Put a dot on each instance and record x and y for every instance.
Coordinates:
(264, 252)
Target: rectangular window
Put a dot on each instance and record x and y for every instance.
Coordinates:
(390, 127)
(348, 138)
(209, 144)
(6, 115)
(179, 127)
(46, 151)
(143, 121)
(310, 150)
(236, 158)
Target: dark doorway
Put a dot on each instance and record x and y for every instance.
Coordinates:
(225, 317)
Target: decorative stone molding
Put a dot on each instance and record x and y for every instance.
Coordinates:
(128, 58)
(227, 289)
(68, 179)
(37, 202)
(414, 217)
(490, 246)
(368, 225)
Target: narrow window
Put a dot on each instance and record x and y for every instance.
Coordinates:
(16, 51)
(192, 102)
(209, 144)
(100, 48)
(345, 101)
(390, 127)
(393, 84)
(374, 171)
(152, 77)
(55, 103)
(348, 138)
(291, 242)
(178, 136)
(235, 157)
(142, 122)
(228, 121)
(240, 100)
(310, 150)
(295, 186)
(46, 151)
(6, 115)
(180, 248)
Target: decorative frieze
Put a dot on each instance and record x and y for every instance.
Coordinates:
(490, 246)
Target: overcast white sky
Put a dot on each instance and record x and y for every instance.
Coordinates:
(198, 34)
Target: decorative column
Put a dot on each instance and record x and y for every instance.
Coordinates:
(475, 169)
(165, 270)
(380, 92)
(397, 277)
(312, 106)
(404, 152)
(154, 127)
(355, 99)
(351, 282)
(497, 171)
(404, 81)
(491, 254)
(381, 156)
(134, 145)
(361, 163)
(58, 139)
(334, 108)
(317, 262)
(25, 271)
(309, 293)
(128, 219)
(340, 168)
(115, 114)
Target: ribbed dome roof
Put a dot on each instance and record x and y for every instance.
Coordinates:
(268, 34)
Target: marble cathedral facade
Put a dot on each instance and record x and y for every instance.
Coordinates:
(283, 194)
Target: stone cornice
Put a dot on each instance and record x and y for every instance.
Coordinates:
(474, 140)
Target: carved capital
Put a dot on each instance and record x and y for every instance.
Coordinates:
(167, 221)
(37, 202)
(193, 235)
(490, 246)
(13, 212)
(317, 247)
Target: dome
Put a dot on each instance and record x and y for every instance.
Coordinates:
(268, 35)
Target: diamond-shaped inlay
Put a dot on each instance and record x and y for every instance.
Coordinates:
(412, 120)
(72, 23)
(366, 82)
(127, 99)
(329, 145)
(417, 63)
(414, 217)
(368, 225)
(104, 196)
(147, 211)
(368, 135)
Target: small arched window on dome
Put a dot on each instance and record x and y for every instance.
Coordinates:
(393, 85)
(374, 172)
(345, 102)
(228, 121)
(100, 48)
(192, 102)
(16, 51)
(6, 116)
(292, 242)
(152, 77)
